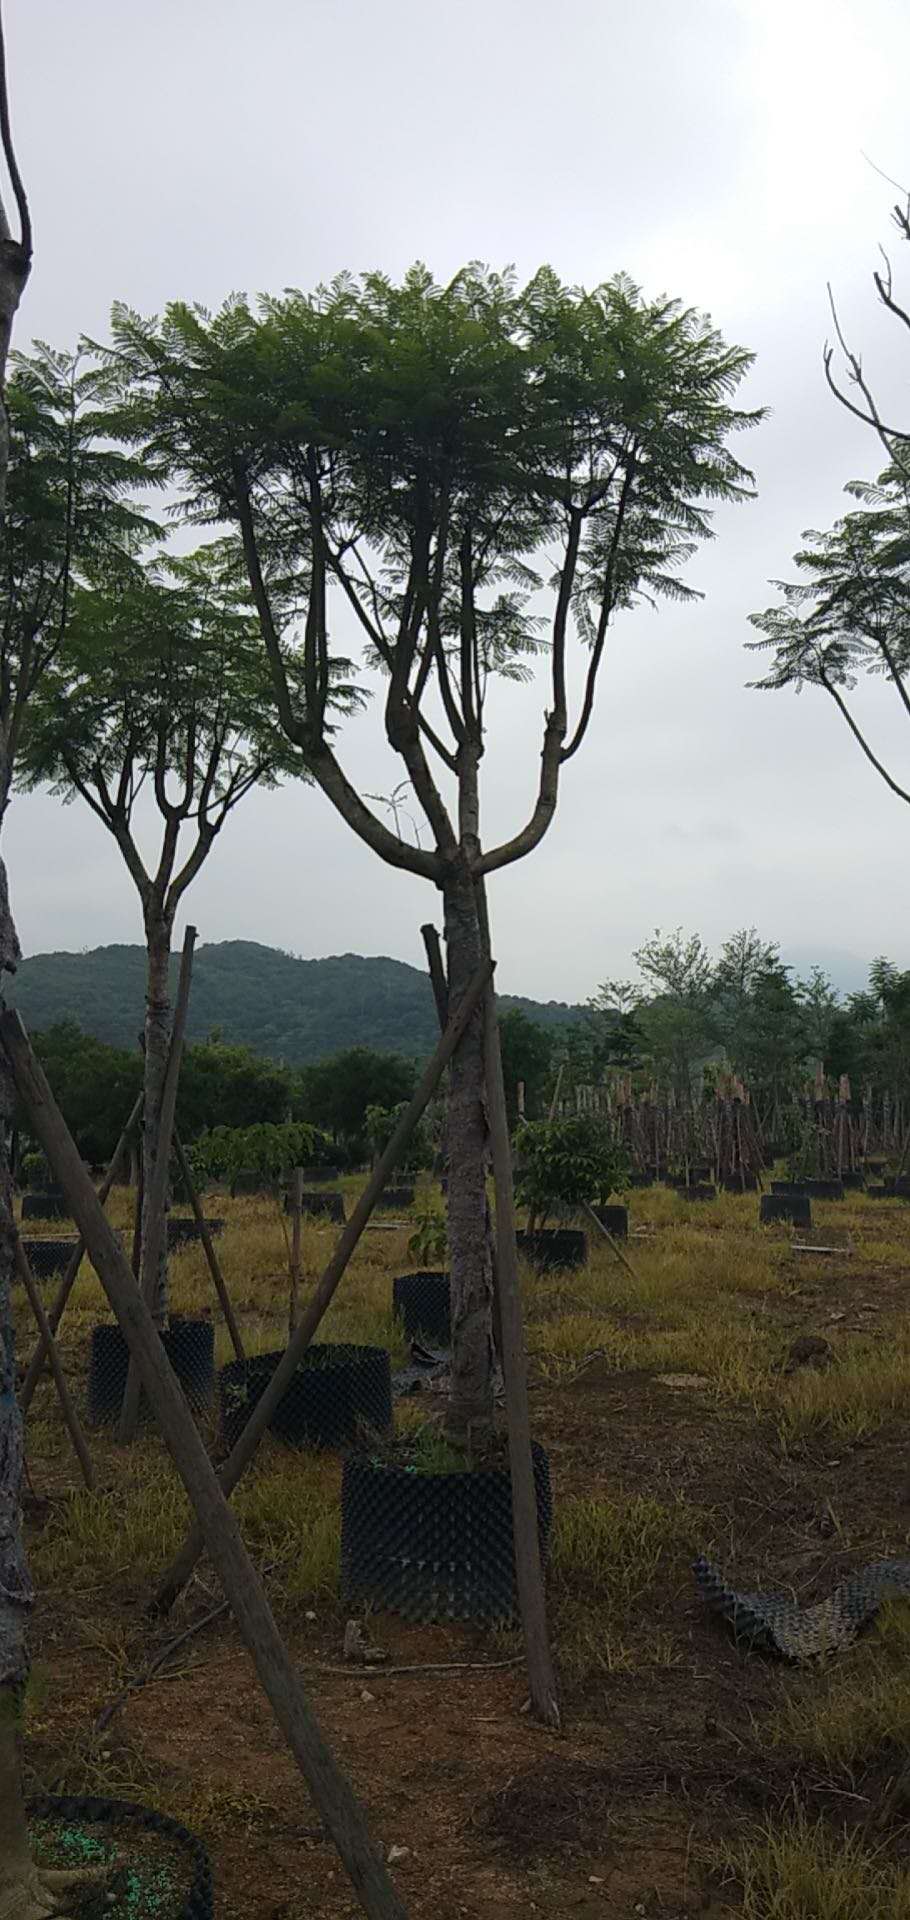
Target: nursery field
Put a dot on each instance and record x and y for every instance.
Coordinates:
(734, 1398)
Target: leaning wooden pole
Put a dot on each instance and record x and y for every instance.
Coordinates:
(218, 1282)
(154, 1218)
(437, 973)
(278, 1676)
(595, 1220)
(35, 1366)
(528, 1565)
(181, 1568)
(70, 1416)
(296, 1209)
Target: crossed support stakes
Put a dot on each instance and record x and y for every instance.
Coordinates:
(216, 1529)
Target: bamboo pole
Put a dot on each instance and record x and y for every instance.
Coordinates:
(49, 1344)
(278, 1676)
(617, 1249)
(296, 1208)
(36, 1363)
(138, 1204)
(437, 972)
(178, 1573)
(218, 1282)
(154, 1222)
(528, 1568)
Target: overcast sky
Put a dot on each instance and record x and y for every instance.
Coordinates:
(714, 150)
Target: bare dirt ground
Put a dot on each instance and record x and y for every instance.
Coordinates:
(673, 1427)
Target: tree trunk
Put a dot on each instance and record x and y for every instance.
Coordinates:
(17, 1878)
(471, 1400)
(158, 1019)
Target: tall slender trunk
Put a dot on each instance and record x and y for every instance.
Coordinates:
(158, 1018)
(15, 1583)
(471, 1399)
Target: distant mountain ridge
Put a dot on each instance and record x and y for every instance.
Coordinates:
(285, 1008)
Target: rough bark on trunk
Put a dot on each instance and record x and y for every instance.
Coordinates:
(471, 1400)
(22, 1896)
(158, 1017)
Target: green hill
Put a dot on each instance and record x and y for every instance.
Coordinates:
(288, 1009)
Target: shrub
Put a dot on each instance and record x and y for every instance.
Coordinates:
(565, 1165)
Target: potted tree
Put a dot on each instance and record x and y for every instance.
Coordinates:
(567, 1166)
(422, 1298)
(408, 456)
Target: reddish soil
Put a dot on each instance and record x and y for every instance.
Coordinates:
(497, 1816)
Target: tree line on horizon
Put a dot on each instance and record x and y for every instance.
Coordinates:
(689, 1017)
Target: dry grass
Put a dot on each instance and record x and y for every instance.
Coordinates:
(604, 1556)
(859, 1708)
(802, 1870)
(711, 1295)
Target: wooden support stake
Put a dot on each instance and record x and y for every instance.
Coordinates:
(617, 1249)
(278, 1676)
(224, 1298)
(138, 1207)
(70, 1415)
(154, 1223)
(528, 1568)
(181, 1568)
(296, 1209)
(438, 979)
(36, 1364)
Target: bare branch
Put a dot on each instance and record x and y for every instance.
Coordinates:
(292, 726)
(857, 735)
(533, 833)
(606, 608)
(9, 155)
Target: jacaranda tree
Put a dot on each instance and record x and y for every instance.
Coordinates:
(475, 478)
(160, 686)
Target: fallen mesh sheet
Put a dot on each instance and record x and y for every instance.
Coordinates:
(774, 1622)
(430, 1371)
(429, 1368)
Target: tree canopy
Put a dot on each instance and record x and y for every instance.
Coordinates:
(159, 684)
(73, 515)
(428, 455)
(847, 614)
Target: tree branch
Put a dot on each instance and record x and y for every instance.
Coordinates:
(854, 729)
(316, 754)
(561, 615)
(606, 608)
(345, 798)
(533, 833)
(9, 155)
(116, 823)
(293, 727)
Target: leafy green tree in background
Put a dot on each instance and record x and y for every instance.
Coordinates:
(527, 1056)
(770, 1046)
(158, 687)
(819, 1001)
(337, 1093)
(231, 1087)
(677, 1022)
(380, 1126)
(95, 1086)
